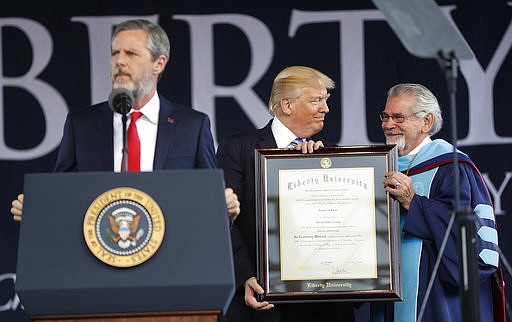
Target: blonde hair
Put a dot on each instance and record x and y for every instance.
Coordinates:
(291, 80)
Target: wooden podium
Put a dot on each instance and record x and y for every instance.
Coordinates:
(188, 278)
(205, 316)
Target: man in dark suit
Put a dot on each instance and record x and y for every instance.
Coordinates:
(171, 136)
(298, 103)
(183, 140)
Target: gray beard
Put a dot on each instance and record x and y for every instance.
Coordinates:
(143, 90)
(139, 89)
(400, 143)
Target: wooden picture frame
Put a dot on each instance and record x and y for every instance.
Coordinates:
(327, 228)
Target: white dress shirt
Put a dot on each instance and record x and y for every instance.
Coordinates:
(147, 127)
(425, 141)
(282, 134)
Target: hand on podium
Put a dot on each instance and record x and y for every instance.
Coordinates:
(17, 207)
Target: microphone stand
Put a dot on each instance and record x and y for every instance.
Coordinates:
(124, 165)
(469, 289)
(120, 101)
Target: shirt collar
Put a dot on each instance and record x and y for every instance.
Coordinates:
(282, 134)
(151, 109)
(425, 141)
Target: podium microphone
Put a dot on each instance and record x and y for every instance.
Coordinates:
(120, 101)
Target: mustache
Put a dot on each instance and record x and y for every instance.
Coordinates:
(391, 132)
(120, 71)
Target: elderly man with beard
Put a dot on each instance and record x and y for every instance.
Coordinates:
(424, 186)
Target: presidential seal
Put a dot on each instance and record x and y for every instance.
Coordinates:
(124, 227)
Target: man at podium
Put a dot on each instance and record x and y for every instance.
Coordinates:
(167, 135)
(161, 135)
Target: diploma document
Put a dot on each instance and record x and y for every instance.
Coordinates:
(327, 220)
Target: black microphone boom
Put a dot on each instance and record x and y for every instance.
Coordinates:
(120, 100)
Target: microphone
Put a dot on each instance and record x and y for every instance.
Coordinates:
(120, 100)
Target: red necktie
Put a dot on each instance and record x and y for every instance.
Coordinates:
(133, 143)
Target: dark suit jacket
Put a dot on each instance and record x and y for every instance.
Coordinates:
(184, 139)
(235, 155)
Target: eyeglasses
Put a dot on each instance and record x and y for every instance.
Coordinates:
(397, 118)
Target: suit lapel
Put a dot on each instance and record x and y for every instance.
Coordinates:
(165, 133)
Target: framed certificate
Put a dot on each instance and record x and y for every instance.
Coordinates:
(327, 228)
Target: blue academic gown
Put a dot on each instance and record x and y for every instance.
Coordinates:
(426, 221)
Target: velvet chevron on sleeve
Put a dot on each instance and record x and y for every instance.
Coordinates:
(427, 219)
